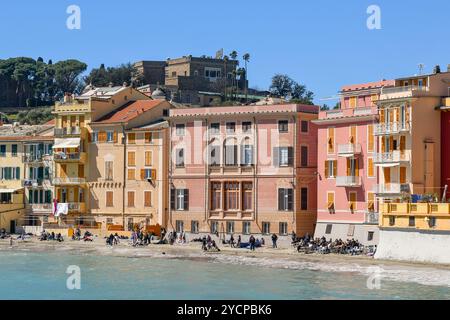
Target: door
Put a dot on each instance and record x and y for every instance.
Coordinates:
(387, 178)
(12, 226)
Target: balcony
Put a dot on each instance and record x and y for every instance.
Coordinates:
(35, 183)
(350, 181)
(79, 207)
(403, 92)
(394, 158)
(40, 208)
(69, 157)
(390, 128)
(362, 111)
(72, 106)
(64, 181)
(68, 131)
(36, 158)
(371, 217)
(390, 189)
(349, 150)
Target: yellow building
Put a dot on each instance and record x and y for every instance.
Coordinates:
(73, 135)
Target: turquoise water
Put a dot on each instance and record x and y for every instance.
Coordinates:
(26, 275)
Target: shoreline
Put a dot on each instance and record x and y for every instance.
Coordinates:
(193, 250)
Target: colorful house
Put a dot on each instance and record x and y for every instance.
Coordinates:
(243, 169)
(347, 206)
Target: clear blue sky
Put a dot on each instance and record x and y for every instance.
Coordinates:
(323, 44)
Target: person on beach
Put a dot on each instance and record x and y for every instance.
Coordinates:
(252, 242)
(274, 241)
(204, 244)
(214, 245)
(238, 244)
(231, 241)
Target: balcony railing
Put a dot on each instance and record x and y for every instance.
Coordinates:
(335, 113)
(390, 188)
(349, 149)
(67, 181)
(34, 183)
(67, 131)
(41, 207)
(39, 157)
(61, 156)
(348, 181)
(391, 157)
(403, 89)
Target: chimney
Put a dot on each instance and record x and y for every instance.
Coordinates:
(110, 84)
(448, 67)
(437, 69)
(125, 84)
(67, 97)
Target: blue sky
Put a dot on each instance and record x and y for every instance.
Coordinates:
(322, 43)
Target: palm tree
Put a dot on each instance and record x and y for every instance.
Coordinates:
(241, 73)
(234, 55)
(246, 58)
(225, 62)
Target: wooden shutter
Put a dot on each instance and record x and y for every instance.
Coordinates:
(142, 174)
(387, 175)
(109, 199)
(59, 195)
(80, 171)
(382, 115)
(291, 156)
(370, 171)
(383, 145)
(348, 167)
(370, 201)
(327, 172)
(391, 115)
(115, 137)
(132, 138)
(148, 137)
(356, 167)
(352, 200)
(153, 174)
(397, 115)
(172, 198)
(131, 174)
(330, 140)
(330, 200)
(402, 174)
(335, 173)
(130, 199)
(186, 199)
(148, 158)
(281, 200)
(352, 138)
(402, 143)
(147, 199)
(102, 136)
(391, 143)
(370, 144)
(131, 158)
(63, 171)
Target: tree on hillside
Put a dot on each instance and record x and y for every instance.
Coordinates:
(68, 76)
(283, 86)
(102, 77)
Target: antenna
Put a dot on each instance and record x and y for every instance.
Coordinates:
(421, 66)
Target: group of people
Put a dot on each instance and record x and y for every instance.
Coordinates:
(174, 237)
(86, 237)
(141, 238)
(113, 240)
(323, 246)
(4, 234)
(46, 236)
(208, 244)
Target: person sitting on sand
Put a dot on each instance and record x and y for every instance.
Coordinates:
(59, 237)
(214, 245)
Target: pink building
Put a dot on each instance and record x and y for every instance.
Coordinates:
(347, 207)
(243, 169)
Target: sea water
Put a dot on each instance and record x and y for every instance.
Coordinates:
(42, 275)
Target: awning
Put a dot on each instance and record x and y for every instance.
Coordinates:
(8, 190)
(388, 165)
(66, 143)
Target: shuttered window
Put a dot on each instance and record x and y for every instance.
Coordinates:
(330, 200)
(148, 158)
(285, 199)
(131, 158)
(352, 200)
(370, 138)
(330, 140)
(148, 137)
(130, 198)
(147, 198)
(131, 138)
(131, 174)
(109, 199)
(370, 168)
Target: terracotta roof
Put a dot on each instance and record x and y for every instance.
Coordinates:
(369, 85)
(129, 111)
(50, 123)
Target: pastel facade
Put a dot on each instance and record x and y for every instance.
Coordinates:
(128, 166)
(347, 205)
(71, 149)
(243, 170)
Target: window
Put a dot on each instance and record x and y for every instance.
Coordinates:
(109, 136)
(147, 199)
(130, 224)
(131, 174)
(179, 130)
(328, 228)
(230, 226)
(179, 199)
(214, 227)
(14, 150)
(179, 161)
(352, 201)
(148, 137)
(283, 228)
(131, 138)
(146, 174)
(247, 196)
(353, 101)
(304, 199)
(304, 156)
(283, 126)
(109, 221)
(2, 150)
(10, 173)
(370, 168)
(266, 227)
(231, 154)
(214, 155)
(330, 168)
(216, 192)
(215, 128)
(351, 230)
(179, 226)
(109, 199)
(231, 127)
(330, 140)
(194, 226)
(330, 201)
(370, 143)
(392, 221)
(246, 126)
(370, 202)
(304, 126)
(130, 198)
(285, 199)
(231, 196)
(109, 170)
(247, 155)
(246, 227)
(148, 158)
(95, 136)
(370, 236)
(412, 221)
(131, 158)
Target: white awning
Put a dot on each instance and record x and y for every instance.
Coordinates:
(388, 165)
(8, 190)
(66, 143)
